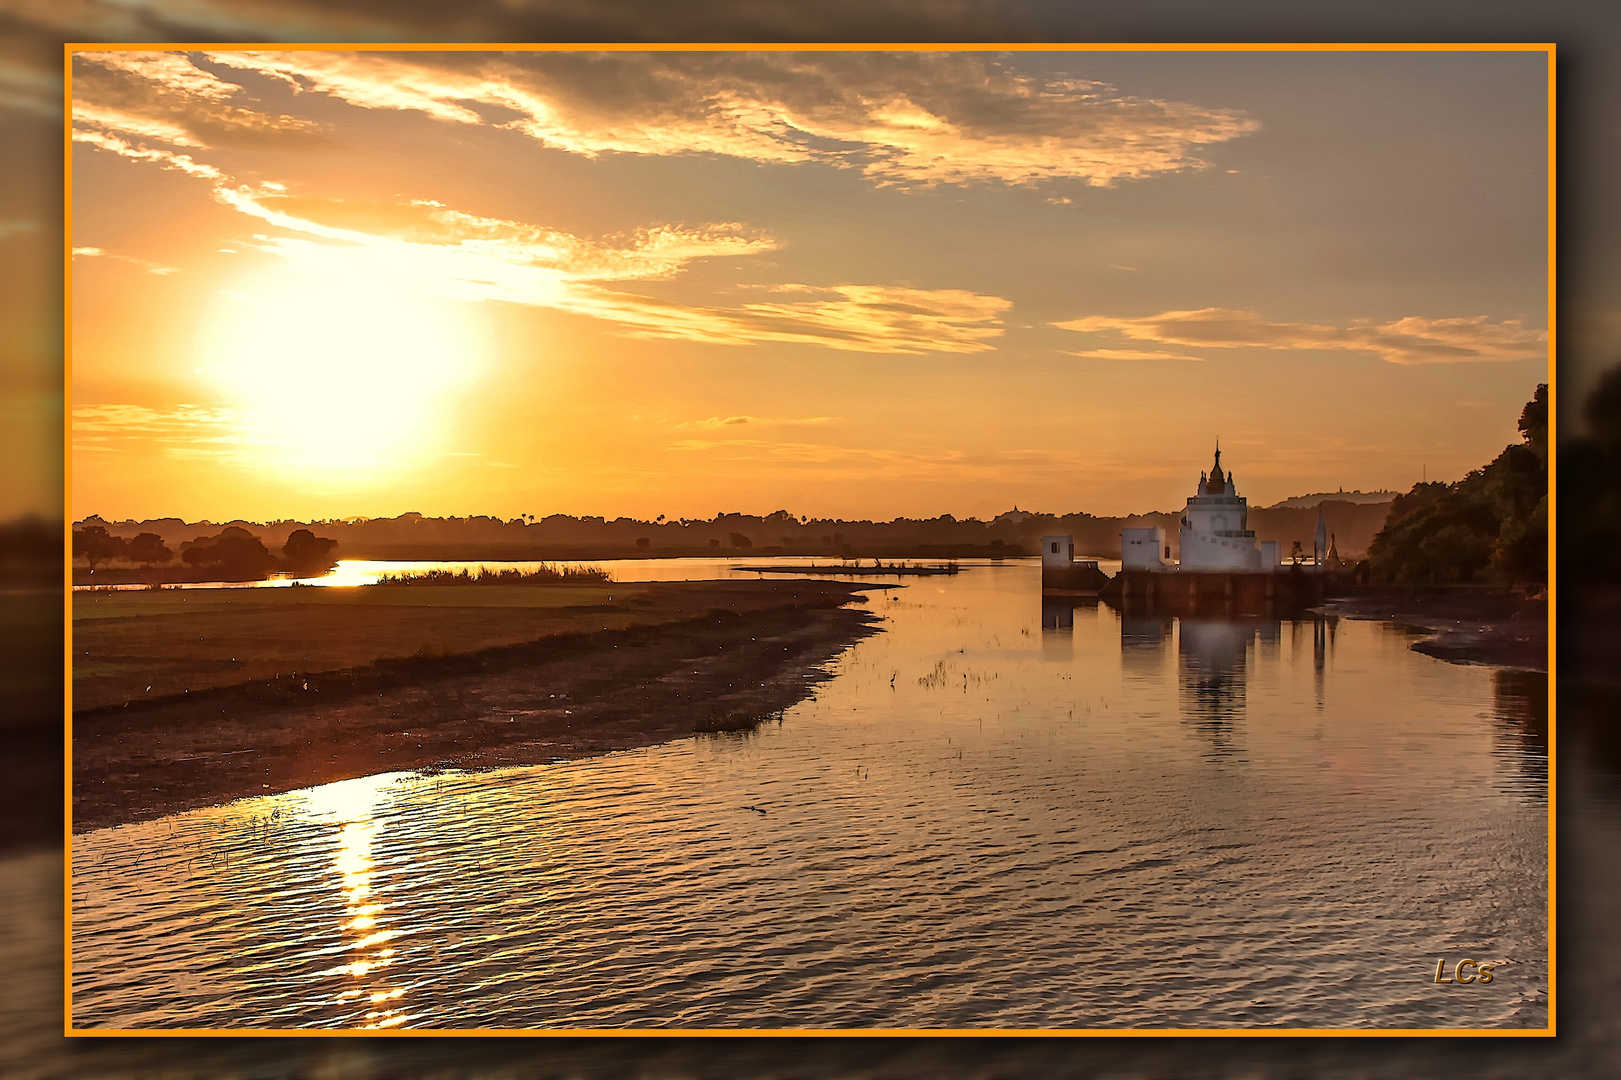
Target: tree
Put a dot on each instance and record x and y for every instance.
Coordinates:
(1492, 523)
(235, 552)
(738, 540)
(148, 548)
(94, 544)
(306, 551)
(643, 542)
(1590, 475)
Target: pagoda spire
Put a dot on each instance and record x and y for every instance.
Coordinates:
(1218, 482)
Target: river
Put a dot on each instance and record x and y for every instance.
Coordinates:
(996, 814)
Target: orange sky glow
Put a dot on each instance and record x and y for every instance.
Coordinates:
(312, 284)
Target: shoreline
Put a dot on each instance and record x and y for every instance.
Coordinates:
(561, 697)
(1494, 629)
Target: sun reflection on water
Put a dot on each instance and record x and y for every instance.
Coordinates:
(351, 805)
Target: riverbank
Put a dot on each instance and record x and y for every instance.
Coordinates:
(323, 685)
(1473, 626)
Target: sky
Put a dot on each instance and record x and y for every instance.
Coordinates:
(322, 284)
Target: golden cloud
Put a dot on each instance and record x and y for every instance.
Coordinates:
(1134, 354)
(165, 96)
(167, 159)
(723, 422)
(916, 119)
(428, 248)
(1411, 340)
(185, 430)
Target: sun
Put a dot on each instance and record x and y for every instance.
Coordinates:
(334, 376)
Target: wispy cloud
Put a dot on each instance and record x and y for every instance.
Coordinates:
(167, 159)
(1411, 340)
(1133, 354)
(716, 423)
(915, 119)
(183, 431)
(28, 89)
(875, 318)
(432, 249)
(149, 267)
(165, 96)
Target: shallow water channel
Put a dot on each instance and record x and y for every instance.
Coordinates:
(995, 815)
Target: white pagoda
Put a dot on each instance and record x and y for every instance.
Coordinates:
(1215, 532)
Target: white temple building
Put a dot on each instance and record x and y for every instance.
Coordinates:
(1215, 533)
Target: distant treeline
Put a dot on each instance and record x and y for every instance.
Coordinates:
(232, 554)
(560, 536)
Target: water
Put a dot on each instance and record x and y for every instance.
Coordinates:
(352, 572)
(996, 815)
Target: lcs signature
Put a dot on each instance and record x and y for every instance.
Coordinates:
(1476, 972)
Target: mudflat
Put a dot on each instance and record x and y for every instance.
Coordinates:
(1462, 626)
(186, 698)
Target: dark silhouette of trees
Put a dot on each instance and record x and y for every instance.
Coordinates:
(1590, 481)
(234, 552)
(306, 551)
(738, 540)
(148, 548)
(643, 542)
(1491, 525)
(94, 544)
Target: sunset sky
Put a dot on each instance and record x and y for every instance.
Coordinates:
(325, 284)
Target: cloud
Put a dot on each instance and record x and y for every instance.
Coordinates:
(1133, 354)
(167, 97)
(911, 119)
(723, 422)
(432, 249)
(528, 20)
(25, 88)
(851, 318)
(171, 70)
(17, 227)
(167, 159)
(651, 253)
(874, 318)
(149, 267)
(864, 460)
(1411, 340)
(183, 431)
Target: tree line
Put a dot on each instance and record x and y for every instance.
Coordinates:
(233, 551)
(1489, 527)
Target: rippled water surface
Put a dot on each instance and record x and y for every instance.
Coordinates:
(995, 815)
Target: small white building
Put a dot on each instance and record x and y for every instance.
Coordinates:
(1057, 552)
(1140, 549)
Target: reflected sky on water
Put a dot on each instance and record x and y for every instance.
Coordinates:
(999, 813)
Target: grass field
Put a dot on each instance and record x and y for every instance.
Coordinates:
(134, 645)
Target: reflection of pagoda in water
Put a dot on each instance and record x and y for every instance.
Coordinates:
(1213, 660)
